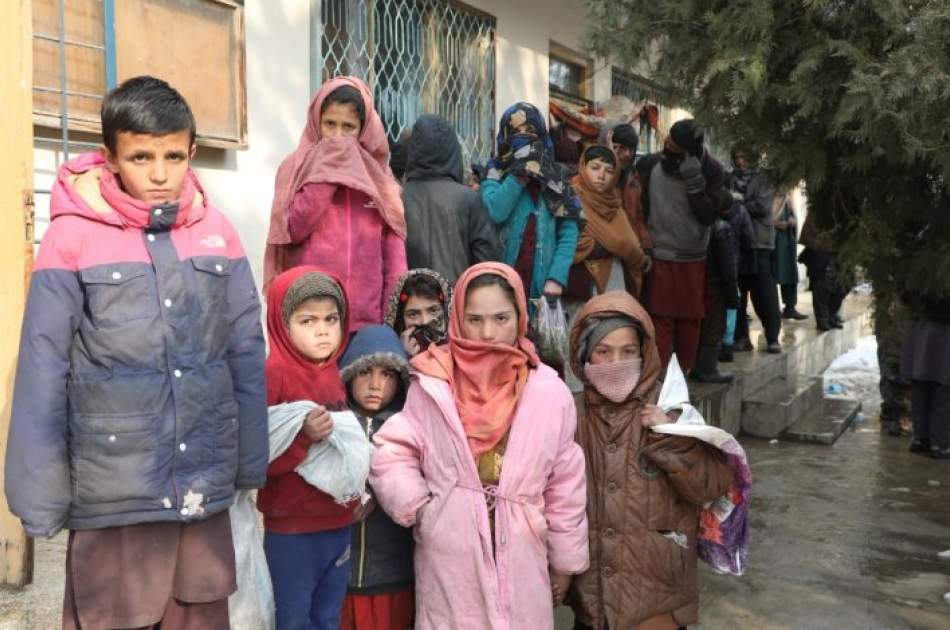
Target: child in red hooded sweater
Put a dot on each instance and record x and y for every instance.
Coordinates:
(337, 204)
(306, 533)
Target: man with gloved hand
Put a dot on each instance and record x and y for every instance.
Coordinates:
(680, 187)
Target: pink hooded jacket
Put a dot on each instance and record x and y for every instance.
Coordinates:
(424, 476)
(340, 230)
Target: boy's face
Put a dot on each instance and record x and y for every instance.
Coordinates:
(315, 329)
(420, 310)
(374, 388)
(620, 345)
(339, 120)
(624, 154)
(599, 173)
(151, 168)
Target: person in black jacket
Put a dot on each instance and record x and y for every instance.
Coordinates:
(448, 228)
(722, 293)
(375, 370)
(750, 187)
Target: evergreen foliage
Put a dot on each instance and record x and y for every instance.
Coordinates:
(850, 96)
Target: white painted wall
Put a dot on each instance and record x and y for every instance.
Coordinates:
(523, 33)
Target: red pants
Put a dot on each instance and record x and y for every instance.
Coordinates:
(386, 611)
(679, 335)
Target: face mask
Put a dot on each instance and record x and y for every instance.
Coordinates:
(671, 161)
(614, 381)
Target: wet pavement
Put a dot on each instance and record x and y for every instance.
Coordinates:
(845, 536)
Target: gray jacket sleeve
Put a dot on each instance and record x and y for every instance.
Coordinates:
(37, 478)
(246, 358)
(759, 197)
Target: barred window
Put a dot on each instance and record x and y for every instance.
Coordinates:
(418, 56)
(638, 89)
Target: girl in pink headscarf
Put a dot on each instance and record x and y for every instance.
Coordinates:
(337, 204)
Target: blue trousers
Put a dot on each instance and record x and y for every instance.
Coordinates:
(309, 573)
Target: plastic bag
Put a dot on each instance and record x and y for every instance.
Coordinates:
(723, 539)
(252, 606)
(551, 331)
(339, 465)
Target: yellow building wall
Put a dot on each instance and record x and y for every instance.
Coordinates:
(16, 247)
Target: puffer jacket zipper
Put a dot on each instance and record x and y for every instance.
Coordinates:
(362, 559)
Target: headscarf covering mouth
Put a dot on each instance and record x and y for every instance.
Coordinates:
(486, 379)
(531, 154)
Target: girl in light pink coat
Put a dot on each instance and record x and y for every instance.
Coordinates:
(482, 463)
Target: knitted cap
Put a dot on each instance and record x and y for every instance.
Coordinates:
(597, 328)
(312, 285)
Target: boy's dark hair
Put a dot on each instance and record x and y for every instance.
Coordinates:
(626, 135)
(145, 105)
(347, 95)
(493, 280)
(600, 152)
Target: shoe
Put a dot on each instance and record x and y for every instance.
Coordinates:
(919, 446)
(774, 347)
(836, 319)
(726, 355)
(707, 367)
(837, 323)
(891, 428)
(712, 377)
(742, 345)
(791, 313)
(823, 325)
(939, 453)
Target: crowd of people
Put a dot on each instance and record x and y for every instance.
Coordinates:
(400, 313)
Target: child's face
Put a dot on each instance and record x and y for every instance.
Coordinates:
(490, 316)
(151, 168)
(339, 120)
(315, 329)
(599, 174)
(374, 388)
(420, 310)
(620, 345)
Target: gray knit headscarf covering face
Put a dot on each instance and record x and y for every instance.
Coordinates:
(599, 326)
(313, 285)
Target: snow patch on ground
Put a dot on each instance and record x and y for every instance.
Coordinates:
(856, 371)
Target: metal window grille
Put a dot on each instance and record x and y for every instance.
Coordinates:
(64, 143)
(418, 56)
(637, 89)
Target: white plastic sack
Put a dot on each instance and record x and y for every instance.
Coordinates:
(675, 395)
(339, 465)
(552, 331)
(252, 606)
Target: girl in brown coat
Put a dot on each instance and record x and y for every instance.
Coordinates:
(644, 490)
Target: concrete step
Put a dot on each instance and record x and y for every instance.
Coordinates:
(825, 428)
(779, 404)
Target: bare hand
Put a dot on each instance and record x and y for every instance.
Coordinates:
(559, 585)
(318, 425)
(409, 343)
(553, 289)
(651, 416)
(364, 510)
(647, 264)
(738, 196)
